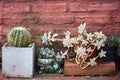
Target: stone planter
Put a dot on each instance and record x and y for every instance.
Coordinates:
(18, 62)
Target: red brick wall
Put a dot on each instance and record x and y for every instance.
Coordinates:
(40, 16)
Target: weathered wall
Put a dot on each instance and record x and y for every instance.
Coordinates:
(40, 16)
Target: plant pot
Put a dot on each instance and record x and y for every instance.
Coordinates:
(45, 61)
(18, 62)
(47, 65)
(110, 54)
(103, 68)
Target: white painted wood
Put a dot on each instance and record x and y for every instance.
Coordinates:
(18, 62)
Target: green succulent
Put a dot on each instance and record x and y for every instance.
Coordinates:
(46, 52)
(49, 69)
(112, 41)
(56, 65)
(19, 37)
(59, 58)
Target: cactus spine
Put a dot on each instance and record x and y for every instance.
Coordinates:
(19, 37)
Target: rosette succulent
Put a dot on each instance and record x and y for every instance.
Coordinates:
(47, 53)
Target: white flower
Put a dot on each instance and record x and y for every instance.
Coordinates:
(84, 42)
(67, 40)
(81, 51)
(99, 44)
(104, 38)
(67, 34)
(89, 49)
(99, 34)
(46, 38)
(92, 62)
(89, 36)
(79, 38)
(81, 28)
(102, 54)
(74, 41)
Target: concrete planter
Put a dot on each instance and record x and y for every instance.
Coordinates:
(18, 62)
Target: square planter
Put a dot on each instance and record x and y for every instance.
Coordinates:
(18, 62)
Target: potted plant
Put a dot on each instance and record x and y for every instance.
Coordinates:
(49, 61)
(111, 46)
(18, 54)
(84, 45)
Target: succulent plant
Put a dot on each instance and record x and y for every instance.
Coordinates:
(47, 53)
(19, 37)
(112, 41)
(59, 58)
(49, 69)
(56, 65)
(48, 38)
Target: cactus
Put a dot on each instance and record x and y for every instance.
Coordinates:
(19, 37)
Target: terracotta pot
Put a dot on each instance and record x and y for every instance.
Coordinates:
(103, 68)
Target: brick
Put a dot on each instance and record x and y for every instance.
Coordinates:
(17, 18)
(1, 40)
(57, 18)
(16, 7)
(49, 7)
(90, 27)
(0, 12)
(60, 0)
(116, 16)
(111, 30)
(101, 18)
(60, 29)
(38, 42)
(104, 68)
(93, 6)
(1, 30)
(13, 18)
(6, 29)
(20, 18)
(24, 0)
(19, 0)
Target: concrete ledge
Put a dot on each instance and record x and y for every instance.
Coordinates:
(103, 68)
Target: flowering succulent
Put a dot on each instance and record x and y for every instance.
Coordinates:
(84, 45)
(48, 38)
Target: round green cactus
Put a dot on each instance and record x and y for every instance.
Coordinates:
(19, 37)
